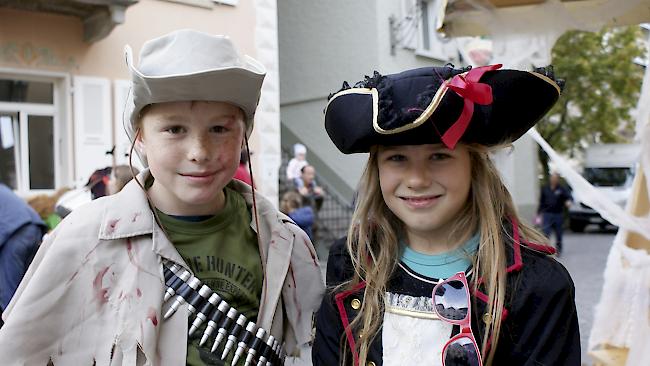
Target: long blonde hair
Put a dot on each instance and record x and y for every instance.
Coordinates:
(373, 245)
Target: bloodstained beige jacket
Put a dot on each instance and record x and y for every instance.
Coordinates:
(93, 294)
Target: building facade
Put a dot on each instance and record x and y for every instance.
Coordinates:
(64, 81)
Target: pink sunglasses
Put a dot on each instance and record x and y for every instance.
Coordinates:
(451, 302)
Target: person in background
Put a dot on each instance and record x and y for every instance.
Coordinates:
(98, 182)
(298, 161)
(553, 199)
(120, 176)
(242, 173)
(103, 182)
(21, 232)
(303, 216)
(44, 205)
(308, 188)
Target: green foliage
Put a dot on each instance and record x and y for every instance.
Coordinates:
(602, 86)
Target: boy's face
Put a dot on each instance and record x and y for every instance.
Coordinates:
(193, 150)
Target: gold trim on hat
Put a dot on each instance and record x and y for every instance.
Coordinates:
(548, 80)
(435, 102)
(437, 98)
(372, 91)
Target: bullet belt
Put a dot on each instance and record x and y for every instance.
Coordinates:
(258, 343)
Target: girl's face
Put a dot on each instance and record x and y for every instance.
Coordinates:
(193, 151)
(426, 187)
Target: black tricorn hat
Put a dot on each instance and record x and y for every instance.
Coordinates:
(431, 105)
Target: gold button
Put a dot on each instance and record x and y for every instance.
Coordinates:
(356, 304)
(487, 318)
(371, 363)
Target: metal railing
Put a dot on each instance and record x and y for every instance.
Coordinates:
(333, 218)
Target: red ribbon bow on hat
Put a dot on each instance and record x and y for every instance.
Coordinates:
(468, 88)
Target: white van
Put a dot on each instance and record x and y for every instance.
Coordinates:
(610, 169)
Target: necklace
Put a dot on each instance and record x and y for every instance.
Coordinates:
(433, 282)
(430, 264)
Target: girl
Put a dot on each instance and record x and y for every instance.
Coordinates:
(431, 206)
(243, 278)
(291, 204)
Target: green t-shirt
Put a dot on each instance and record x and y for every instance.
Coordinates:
(223, 253)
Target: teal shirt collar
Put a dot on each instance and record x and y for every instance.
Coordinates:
(442, 265)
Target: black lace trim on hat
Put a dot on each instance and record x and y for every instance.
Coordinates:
(390, 118)
(549, 72)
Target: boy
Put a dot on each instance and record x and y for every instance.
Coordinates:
(182, 226)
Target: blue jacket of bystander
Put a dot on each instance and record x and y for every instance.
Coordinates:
(304, 218)
(21, 232)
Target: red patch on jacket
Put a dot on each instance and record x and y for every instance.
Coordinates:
(151, 315)
(130, 251)
(101, 293)
(111, 225)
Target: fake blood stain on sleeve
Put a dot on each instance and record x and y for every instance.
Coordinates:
(101, 293)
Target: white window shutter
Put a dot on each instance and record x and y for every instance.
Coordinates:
(93, 133)
(121, 89)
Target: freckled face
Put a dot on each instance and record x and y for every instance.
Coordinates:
(193, 151)
(425, 186)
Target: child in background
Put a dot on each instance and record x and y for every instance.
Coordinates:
(438, 268)
(303, 216)
(296, 163)
(182, 227)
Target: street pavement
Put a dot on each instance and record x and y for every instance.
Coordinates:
(584, 255)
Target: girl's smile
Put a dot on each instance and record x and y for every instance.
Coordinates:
(417, 202)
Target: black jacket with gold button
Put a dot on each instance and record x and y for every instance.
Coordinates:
(540, 325)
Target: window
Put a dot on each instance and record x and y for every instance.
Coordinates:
(609, 177)
(27, 135)
(9, 158)
(40, 153)
(26, 91)
(431, 43)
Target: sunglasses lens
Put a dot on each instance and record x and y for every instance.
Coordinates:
(462, 352)
(451, 300)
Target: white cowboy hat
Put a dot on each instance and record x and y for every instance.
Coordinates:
(187, 65)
